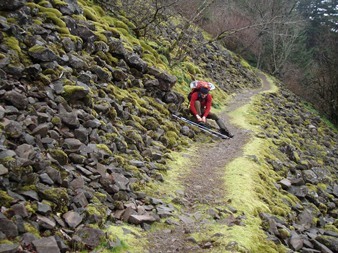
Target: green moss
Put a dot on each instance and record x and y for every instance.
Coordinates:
(69, 90)
(56, 120)
(31, 229)
(74, 38)
(98, 10)
(105, 148)
(191, 68)
(59, 197)
(12, 43)
(151, 123)
(36, 49)
(159, 107)
(131, 238)
(54, 73)
(100, 197)
(59, 155)
(112, 114)
(31, 207)
(119, 159)
(6, 242)
(109, 20)
(171, 139)
(323, 208)
(59, 3)
(90, 13)
(134, 137)
(5, 199)
(96, 213)
(45, 79)
(121, 24)
(133, 169)
(53, 14)
(332, 227)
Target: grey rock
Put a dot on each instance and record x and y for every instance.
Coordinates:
(45, 222)
(335, 190)
(9, 248)
(7, 154)
(89, 237)
(54, 174)
(83, 32)
(27, 239)
(9, 228)
(44, 208)
(46, 245)
(76, 62)
(329, 241)
(3, 170)
(31, 194)
(102, 74)
(72, 144)
(80, 200)
(73, 219)
(119, 75)
(41, 130)
(72, 7)
(11, 5)
(70, 119)
(140, 219)
(13, 129)
(20, 209)
(121, 181)
(310, 177)
(42, 54)
(321, 247)
(285, 183)
(26, 151)
(296, 241)
(136, 62)
(2, 112)
(137, 163)
(116, 47)
(46, 179)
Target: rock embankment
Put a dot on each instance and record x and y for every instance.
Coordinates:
(306, 162)
(85, 124)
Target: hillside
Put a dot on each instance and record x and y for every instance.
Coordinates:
(87, 134)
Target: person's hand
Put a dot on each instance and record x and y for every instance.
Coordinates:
(204, 119)
(198, 117)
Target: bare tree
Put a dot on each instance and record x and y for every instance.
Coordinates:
(265, 29)
(143, 14)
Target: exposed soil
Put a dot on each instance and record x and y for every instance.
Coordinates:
(204, 184)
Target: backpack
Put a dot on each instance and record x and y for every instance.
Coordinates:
(196, 85)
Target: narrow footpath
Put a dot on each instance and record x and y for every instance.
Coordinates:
(204, 189)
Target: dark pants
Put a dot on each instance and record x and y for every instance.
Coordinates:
(200, 111)
(212, 116)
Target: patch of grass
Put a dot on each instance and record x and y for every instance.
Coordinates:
(250, 189)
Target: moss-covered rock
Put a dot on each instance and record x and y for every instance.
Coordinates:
(59, 155)
(5, 199)
(59, 197)
(96, 213)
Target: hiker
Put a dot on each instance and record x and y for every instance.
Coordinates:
(200, 105)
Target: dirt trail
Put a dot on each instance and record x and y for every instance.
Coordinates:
(204, 185)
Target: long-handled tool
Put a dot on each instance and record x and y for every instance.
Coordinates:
(202, 127)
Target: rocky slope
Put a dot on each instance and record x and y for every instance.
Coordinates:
(286, 178)
(85, 123)
(303, 159)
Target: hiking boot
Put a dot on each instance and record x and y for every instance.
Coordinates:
(223, 129)
(225, 132)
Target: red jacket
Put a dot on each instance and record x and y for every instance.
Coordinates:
(205, 104)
